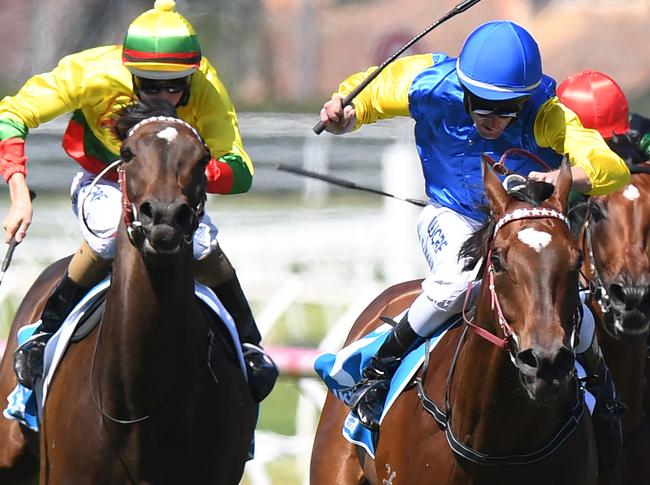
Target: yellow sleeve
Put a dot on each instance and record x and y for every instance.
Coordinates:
(558, 128)
(46, 96)
(214, 115)
(388, 94)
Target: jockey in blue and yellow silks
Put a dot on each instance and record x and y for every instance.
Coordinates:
(493, 97)
(160, 58)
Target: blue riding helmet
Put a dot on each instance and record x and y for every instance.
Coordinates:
(500, 61)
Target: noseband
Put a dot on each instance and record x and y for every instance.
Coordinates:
(508, 341)
(133, 225)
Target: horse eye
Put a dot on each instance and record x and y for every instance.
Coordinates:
(596, 212)
(126, 154)
(495, 260)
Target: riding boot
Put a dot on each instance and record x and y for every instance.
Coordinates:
(369, 395)
(262, 371)
(606, 417)
(28, 358)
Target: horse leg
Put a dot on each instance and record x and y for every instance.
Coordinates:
(333, 458)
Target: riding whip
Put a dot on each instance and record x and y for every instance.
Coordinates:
(12, 246)
(461, 7)
(345, 183)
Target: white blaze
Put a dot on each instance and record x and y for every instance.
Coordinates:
(537, 240)
(168, 134)
(631, 192)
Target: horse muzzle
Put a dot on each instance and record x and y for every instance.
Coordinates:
(164, 229)
(628, 317)
(545, 373)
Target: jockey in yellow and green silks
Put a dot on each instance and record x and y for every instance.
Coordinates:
(160, 59)
(94, 85)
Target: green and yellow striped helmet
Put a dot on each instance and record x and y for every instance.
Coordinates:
(161, 44)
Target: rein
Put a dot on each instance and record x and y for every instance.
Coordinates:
(133, 225)
(500, 166)
(508, 342)
(596, 288)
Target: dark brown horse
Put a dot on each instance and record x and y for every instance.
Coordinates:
(155, 394)
(513, 414)
(615, 240)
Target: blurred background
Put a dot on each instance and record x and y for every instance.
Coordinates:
(310, 256)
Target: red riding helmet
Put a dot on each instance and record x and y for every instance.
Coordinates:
(597, 100)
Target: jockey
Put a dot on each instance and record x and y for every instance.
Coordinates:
(160, 58)
(493, 97)
(601, 105)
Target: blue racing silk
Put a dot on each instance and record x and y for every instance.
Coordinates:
(426, 88)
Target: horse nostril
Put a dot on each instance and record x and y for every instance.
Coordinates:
(184, 216)
(630, 296)
(564, 362)
(617, 293)
(528, 358)
(146, 210)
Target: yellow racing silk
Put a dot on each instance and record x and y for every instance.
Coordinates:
(94, 86)
(426, 88)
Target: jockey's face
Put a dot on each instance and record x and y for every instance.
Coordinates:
(171, 90)
(492, 118)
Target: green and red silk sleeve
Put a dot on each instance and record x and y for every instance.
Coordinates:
(229, 174)
(12, 157)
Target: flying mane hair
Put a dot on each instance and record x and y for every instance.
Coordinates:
(478, 243)
(138, 111)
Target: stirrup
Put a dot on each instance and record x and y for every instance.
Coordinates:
(261, 370)
(368, 400)
(28, 359)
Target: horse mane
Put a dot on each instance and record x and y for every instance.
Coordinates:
(138, 111)
(478, 243)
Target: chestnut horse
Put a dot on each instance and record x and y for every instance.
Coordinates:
(507, 399)
(155, 394)
(615, 242)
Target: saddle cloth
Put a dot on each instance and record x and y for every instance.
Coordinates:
(341, 371)
(26, 405)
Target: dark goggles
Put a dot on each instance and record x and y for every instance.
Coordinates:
(156, 86)
(484, 108)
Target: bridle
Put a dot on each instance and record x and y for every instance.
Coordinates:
(507, 342)
(133, 225)
(596, 288)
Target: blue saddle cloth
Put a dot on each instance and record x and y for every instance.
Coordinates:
(25, 405)
(341, 371)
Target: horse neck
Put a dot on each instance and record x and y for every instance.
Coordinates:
(488, 401)
(152, 323)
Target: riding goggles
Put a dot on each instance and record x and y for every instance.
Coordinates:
(484, 108)
(155, 86)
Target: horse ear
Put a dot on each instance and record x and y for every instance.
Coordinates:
(560, 197)
(497, 195)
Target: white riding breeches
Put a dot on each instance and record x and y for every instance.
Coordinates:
(442, 232)
(102, 206)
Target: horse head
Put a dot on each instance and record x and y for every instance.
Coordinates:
(616, 242)
(162, 178)
(530, 276)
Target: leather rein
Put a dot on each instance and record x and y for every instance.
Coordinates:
(507, 342)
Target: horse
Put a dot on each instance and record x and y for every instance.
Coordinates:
(614, 238)
(155, 393)
(506, 405)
